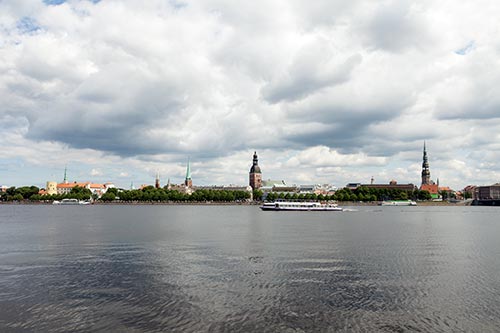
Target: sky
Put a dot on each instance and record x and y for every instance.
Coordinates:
(326, 91)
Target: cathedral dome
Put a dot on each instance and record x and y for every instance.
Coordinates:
(255, 169)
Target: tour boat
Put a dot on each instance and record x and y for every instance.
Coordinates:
(300, 206)
(398, 203)
(71, 202)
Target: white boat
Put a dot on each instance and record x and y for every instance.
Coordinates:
(398, 203)
(71, 202)
(300, 206)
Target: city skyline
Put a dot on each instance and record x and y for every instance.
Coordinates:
(330, 92)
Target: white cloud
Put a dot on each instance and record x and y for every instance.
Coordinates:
(327, 91)
(96, 172)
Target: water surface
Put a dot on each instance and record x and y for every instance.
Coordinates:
(238, 269)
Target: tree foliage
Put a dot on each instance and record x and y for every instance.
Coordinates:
(364, 194)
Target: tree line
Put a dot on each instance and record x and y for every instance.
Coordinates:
(31, 193)
(151, 193)
(360, 194)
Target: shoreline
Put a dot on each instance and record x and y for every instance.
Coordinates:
(256, 203)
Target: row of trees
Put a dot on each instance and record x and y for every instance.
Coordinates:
(146, 194)
(31, 193)
(359, 194)
(151, 193)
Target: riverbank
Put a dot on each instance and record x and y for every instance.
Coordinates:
(253, 203)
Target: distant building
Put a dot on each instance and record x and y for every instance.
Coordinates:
(269, 185)
(353, 186)
(157, 180)
(325, 189)
(3, 188)
(65, 188)
(427, 184)
(447, 190)
(433, 189)
(469, 191)
(51, 188)
(491, 192)
(255, 174)
(95, 189)
(426, 173)
(393, 185)
(187, 186)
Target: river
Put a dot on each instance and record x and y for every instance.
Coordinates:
(162, 268)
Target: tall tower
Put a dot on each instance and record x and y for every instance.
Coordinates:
(157, 180)
(65, 181)
(188, 182)
(255, 174)
(426, 174)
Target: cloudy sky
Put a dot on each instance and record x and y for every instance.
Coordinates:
(326, 91)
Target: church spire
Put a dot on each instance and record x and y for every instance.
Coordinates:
(188, 182)
(65, 181)
(157, 180)
(255, 174)
(426, 174)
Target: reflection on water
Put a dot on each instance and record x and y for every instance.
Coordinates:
(217, 268)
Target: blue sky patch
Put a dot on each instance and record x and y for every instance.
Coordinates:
(466, 49)
(54, 2)
(27, 25)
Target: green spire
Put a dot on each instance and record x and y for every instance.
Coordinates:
(65, 181)
(188, 171)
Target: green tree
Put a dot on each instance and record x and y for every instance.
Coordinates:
(444, 194)
(17, 197)
(80, 193)
(108, 196)
(424, 195)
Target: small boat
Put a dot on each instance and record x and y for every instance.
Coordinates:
(398, 203)
(300, 206)
(71, 202)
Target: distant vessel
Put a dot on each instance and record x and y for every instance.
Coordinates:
(299, 206)
(71, 202)
(398, 203)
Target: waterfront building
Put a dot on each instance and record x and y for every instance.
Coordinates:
(393, 185)
(95, 188)
(468, 191)
(427, 184)
(433, 189)
(269, 185)
(51, 188)
(491, 192)
(446, 189)
(66, 187)
(3, 189)
(255, 174)
(353, 186)
(324, 189)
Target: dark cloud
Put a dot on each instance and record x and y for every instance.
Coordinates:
(395, 27)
